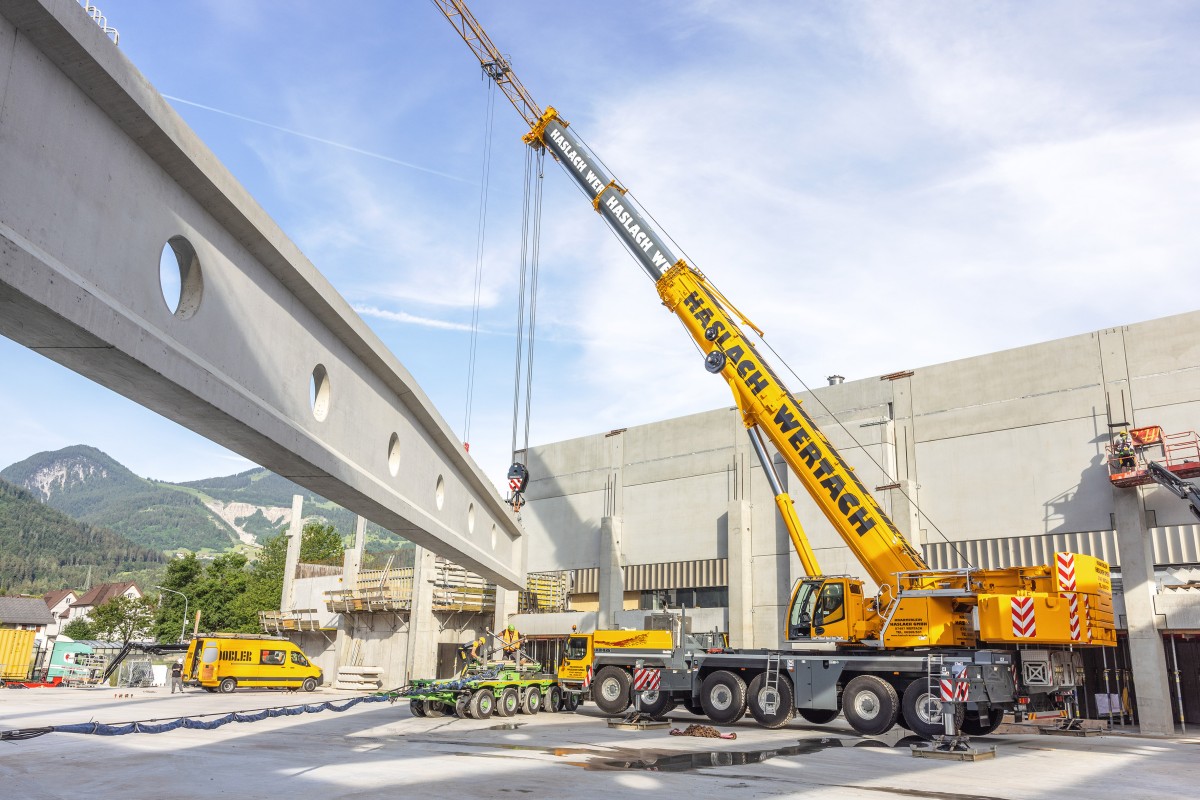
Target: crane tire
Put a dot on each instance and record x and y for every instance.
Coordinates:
(723, 696)
(610, 689)
(923, 709)
(656, 704)
(870, 704)
(975, 724)
(818, 716)
(780, 700)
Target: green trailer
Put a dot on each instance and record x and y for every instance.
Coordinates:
(502, 688)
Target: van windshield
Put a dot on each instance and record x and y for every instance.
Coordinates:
(298, 658)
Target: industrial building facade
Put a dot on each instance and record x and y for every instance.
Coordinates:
(991, 461)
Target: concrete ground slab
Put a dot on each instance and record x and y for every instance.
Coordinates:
(381, 750)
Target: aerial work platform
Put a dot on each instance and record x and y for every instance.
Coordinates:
(1175, 453)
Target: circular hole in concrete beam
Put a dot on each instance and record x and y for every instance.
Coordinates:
(439, 493)
(179, 277)
(318, 392)
(394, 455)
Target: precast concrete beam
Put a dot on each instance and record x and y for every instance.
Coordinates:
(97, 176)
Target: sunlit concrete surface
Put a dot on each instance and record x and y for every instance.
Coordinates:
(381, 750)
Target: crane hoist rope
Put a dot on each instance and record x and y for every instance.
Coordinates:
(481, 229)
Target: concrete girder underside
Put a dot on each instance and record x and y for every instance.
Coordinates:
(98, 175)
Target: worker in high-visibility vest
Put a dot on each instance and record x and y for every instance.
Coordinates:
(510, 637)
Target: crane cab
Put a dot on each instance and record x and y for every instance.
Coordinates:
(825, 609)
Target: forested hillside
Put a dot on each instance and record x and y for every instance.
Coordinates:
(43, 549)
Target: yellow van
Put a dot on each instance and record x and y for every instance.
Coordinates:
(225, 661)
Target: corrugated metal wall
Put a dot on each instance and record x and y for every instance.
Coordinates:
(1173, 544)
(664, 575)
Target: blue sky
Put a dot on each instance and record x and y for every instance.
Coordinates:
(879, 186)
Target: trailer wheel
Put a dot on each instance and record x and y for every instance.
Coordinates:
(818, 716)
(533, 700)
(976, 724)
(309, 685)
(870, 705)
(723, 696)
(483, 703)
(771, 707)
(228, 685)
(462, 706)
(554, 699)
(610, 690)
(923, 708)
(571, 701)
(417, 707)
(509, 702)
(656, 704)
(435, 708)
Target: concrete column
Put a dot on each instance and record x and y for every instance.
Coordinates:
(421, 654)
(294, 539)
(353, 557)
(612, 573)
(1145, 643)
(741, 575)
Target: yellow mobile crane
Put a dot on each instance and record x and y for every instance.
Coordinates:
(890, 646)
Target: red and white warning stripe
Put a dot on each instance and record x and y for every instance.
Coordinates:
(646, 680)
(587, 679)
(514, 484)
(947, 690)
(1073, 605)
(1023, 621)
(1066, 571)
(961, 691)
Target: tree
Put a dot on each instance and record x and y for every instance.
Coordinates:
(79, 628)
(319, 544)
(123, 619)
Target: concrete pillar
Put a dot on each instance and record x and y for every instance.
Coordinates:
(294, 539)
(421, 654)
(351, 565)
(612, 573)
(1145, 643)
(741, 575)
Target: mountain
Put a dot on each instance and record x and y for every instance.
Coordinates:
(92, 487)
(214, 514)
(43, 549)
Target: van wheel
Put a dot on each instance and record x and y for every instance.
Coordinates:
(818, 716)
(554, 699)
(610, 690)
(870, 705)
(533, 700)
(923, 708)
(771, 707)
(310, 685)
(509, 702)
(483, 703)
(723, 696)
(228, 685)
(417, 707)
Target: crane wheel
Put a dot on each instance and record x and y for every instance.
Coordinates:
(870, 705)
(610, 690)
(923, 708)
(509, 702)
(818, 716)
(656, 704)
(976, 724)
(723, 696)
(771, 706)
(694, 707)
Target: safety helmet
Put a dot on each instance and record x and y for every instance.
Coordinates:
(512, 627)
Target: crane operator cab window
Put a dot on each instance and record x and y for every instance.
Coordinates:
(816, 605)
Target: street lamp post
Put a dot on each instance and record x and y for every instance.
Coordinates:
(182, 628)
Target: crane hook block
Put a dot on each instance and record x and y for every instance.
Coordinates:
(518, 477)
